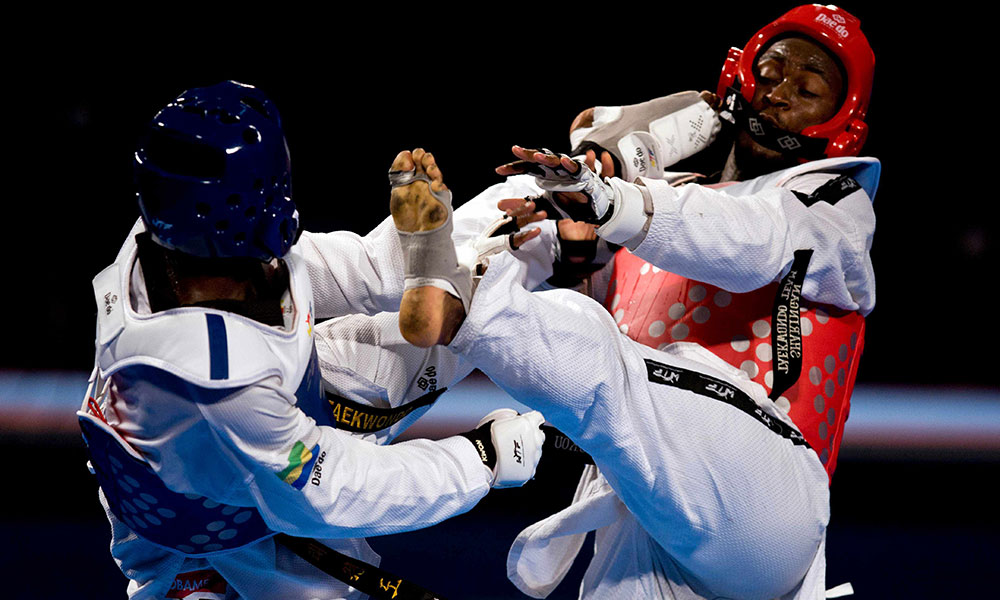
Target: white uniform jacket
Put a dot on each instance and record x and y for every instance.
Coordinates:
(201, 440)
(681, 484)
(742, 236)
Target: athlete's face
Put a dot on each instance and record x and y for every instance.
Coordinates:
(798, 85)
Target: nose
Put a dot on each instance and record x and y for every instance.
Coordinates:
(779, 94)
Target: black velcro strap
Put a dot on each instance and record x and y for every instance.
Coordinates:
(786, 326)
(368, 579)
(831, 192)
(482, 440)
(584, 251)
(361, 418)
(556, 211)
(543, 202)
(508, 228)
(716, 389)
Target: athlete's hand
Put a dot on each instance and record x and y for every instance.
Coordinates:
(566, 200)
(529, 210)
(607, 164)
(558, 173)
(559, 166)
(509, 445)
(575, 231)
(523, 211)
(712, 100)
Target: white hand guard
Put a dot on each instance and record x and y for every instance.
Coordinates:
(647, 138)
(601, 196)
(476, 253)
(620, 209)
(515, 445)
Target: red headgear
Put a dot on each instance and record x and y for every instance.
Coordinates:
(840, 33)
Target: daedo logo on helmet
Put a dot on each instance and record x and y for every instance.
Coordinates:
(840, 33)
(835, 22)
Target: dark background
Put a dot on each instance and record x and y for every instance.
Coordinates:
(354, 88)
(355, 91)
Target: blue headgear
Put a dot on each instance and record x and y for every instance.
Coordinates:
(214, 176)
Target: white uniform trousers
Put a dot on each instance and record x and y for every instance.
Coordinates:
(720, 505)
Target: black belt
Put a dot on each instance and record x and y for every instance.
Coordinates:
(786, 326)
(363, 418)
(716, 389)
(368, 579)
(558, 443)
(381, 584)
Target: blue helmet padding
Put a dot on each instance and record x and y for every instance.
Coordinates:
(213, 175)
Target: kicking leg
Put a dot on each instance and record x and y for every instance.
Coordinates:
(701, 475)
(437, 288)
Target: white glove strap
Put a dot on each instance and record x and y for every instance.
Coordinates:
(629, 217)
(585, 182)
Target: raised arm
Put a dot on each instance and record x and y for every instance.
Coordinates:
(742, 236)
(316, 481)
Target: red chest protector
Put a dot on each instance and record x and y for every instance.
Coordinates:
(657, 308)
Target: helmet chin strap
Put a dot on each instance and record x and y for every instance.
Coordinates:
(738, 111)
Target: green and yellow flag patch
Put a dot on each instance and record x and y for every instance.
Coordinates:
(300, 464)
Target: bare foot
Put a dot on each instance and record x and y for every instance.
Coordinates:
(427, 315)
(413, 206)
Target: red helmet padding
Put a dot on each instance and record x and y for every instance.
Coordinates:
(840, 33)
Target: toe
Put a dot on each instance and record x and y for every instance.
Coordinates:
(437, 178)
(418, 159)
(427, 162)
(403, 161)
(433, 172)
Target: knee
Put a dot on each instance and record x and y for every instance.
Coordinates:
(771, 571)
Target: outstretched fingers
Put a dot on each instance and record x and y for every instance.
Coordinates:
(523, 210)
(529, 157)
(522, 237)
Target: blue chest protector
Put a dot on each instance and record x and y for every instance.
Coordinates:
(186, 523)
(237, 354)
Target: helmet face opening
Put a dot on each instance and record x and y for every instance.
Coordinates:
(185, 157)
(840, 34)
(839, 64)
(213, 175)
